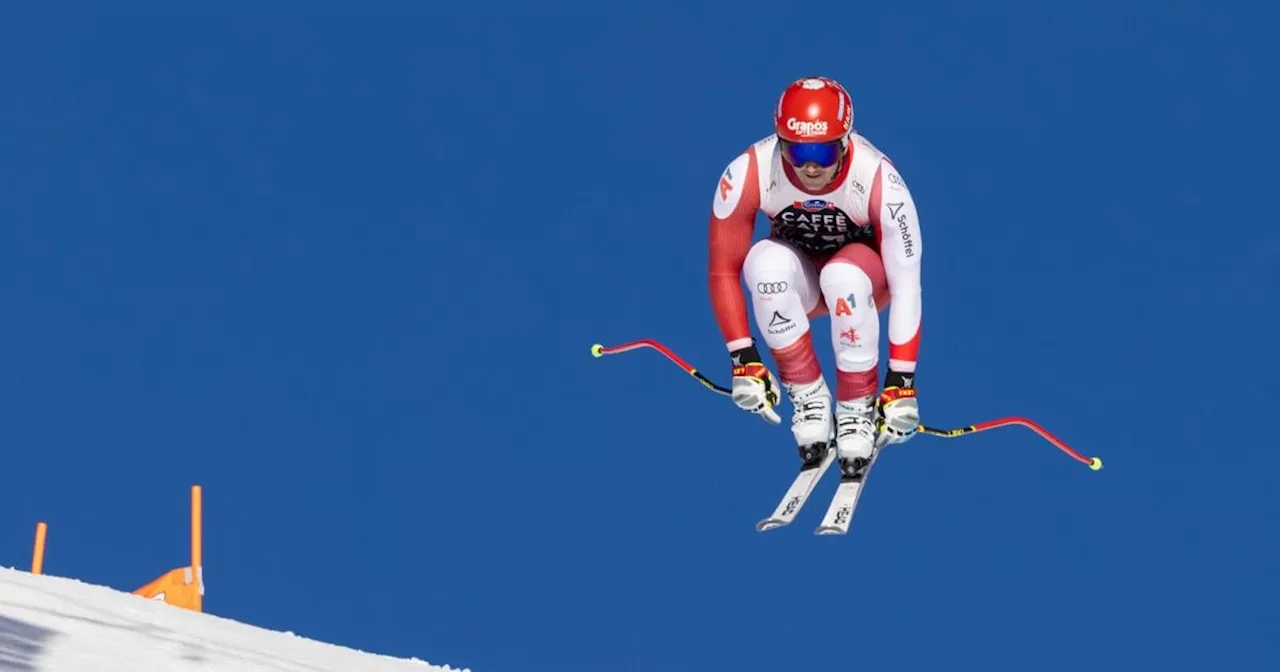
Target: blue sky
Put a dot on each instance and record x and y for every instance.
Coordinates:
(342, 268)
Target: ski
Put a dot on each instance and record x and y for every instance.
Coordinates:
(798, 493)
(845, 501)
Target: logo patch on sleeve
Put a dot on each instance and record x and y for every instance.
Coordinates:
(729, 188)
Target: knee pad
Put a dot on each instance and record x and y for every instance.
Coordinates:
(776, 278)
(855, 324)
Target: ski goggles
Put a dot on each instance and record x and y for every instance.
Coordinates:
(824, 154)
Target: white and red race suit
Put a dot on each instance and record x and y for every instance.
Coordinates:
(847, 251)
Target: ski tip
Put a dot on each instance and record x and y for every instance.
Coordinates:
(1095, 464)
(828, 531)
(769, 524)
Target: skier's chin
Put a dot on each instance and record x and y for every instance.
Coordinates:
(814, 183)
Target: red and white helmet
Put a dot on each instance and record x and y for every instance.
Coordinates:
(814, 109)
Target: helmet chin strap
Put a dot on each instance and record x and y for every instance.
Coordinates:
(844, 156)
(839, 164)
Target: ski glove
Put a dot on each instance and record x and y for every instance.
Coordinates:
(754, 387)
(899, 410)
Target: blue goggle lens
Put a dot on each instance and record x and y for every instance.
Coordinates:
(822, 153)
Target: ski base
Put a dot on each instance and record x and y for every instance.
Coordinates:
(798, 493)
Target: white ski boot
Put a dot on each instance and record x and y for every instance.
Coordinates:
(855, 434)
(811, 421)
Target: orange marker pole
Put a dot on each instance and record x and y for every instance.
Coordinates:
(37, 556)
(197, 545)
(196, 550)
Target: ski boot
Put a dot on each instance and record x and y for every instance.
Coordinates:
(855, 435)
(811, 421)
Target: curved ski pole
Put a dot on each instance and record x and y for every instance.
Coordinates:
(598, 350)
(1094, 463)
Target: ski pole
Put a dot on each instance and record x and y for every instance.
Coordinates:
(1094, 463)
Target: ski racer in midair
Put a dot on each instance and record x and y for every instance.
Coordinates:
(844, 241)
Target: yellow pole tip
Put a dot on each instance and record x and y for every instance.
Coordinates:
(597, 350)
(1096, 464)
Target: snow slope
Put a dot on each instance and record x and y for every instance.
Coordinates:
(53, 623)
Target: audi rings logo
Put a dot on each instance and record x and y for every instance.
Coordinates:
(771, 287)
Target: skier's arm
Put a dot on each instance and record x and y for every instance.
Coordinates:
(894, 213)
(733, 214)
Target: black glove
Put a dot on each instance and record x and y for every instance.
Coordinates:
(754, 387)
(899, 410)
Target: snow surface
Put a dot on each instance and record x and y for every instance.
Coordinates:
(51, 623)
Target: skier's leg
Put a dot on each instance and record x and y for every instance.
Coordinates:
(784, 290)
(853, 284)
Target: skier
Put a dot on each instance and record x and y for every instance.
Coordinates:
(844, 241)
